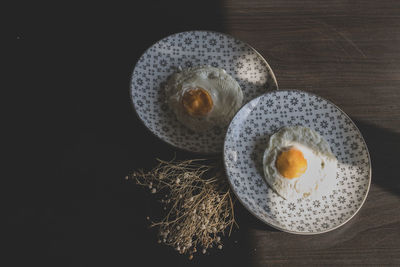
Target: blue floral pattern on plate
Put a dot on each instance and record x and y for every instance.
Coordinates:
(246, 140)
(187, 49)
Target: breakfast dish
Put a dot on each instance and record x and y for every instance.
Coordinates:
(203, 97)
(291, 128)
(298, 162)
(203, 130)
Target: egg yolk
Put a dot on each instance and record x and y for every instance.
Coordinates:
(291, 163)
(197, 102)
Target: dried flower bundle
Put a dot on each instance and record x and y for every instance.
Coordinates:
(197, 200)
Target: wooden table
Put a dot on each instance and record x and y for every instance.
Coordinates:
(74, 207)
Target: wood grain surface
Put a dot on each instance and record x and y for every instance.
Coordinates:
(79, 136)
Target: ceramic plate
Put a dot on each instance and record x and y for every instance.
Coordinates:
(246, 140)
(188, 49)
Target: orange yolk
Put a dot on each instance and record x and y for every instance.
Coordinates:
(197, 102)
(291, 163)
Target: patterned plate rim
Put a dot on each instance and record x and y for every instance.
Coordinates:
(280, 228)
(173, 34)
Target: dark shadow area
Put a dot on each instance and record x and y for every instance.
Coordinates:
(257, 154)
(246, 220)
(383, 146)
(71, 205)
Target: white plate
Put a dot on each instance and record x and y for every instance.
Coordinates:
(246, 140)
(194, 48)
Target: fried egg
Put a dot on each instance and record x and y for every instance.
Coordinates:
(203, 97)
(298, 163)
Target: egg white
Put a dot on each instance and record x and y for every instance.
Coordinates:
(224, 90)
(320, 176)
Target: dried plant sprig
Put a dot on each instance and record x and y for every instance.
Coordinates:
(197, 200)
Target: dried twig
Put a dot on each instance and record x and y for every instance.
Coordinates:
(198, 201)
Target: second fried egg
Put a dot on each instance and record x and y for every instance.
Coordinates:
(298, 162)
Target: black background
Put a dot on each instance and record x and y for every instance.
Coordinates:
(78, 135)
